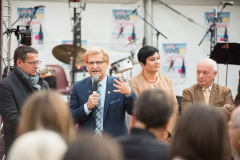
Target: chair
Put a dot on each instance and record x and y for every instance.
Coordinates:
(62, 83)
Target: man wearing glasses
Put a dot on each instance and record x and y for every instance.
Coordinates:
(15, 89)
(103, 111)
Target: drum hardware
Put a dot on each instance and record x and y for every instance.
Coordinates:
(65, 51)
(121, 65)
(131, 42)
(124, 64)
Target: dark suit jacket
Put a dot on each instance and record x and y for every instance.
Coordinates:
(115, 106)
(142, 145)
(218, 98)
(14, 90)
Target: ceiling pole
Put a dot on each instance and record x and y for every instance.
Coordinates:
(148, 32)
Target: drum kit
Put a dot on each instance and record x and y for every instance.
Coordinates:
(125, 64)
(64, 53)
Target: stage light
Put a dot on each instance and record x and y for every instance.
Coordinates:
(74, 0)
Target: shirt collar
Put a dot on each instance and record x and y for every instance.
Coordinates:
(210, 88)
(103, 82)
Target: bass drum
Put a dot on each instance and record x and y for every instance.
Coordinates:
(122, 65)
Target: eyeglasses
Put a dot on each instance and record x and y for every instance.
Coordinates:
(97, 63)
(33, 63)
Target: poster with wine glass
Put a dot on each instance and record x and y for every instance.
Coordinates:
(123, 34)
(36, 24)
(173, 61)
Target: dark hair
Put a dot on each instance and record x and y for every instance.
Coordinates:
(200, 134)
(87, 147)
(154, 108)
(21, 51)
(145, 52)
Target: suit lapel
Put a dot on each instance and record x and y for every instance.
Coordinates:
(199, 95)
(88, 91)
(213, 93)
(109, 92)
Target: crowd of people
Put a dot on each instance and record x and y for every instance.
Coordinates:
(39, 125)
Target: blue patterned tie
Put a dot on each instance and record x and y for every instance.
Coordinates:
(98, 130)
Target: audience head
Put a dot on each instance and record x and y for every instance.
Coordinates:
(46, 110)
(206, 72)
(97, 61)
(234, 129)
(86, 147)
(200, 134)
(153, 108)
(38, 145)
(26, 58)
(145, 52)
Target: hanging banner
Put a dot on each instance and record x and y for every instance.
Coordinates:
(173, 62)
(222, 28)
(25, 15)
(222, 24)
(123, 30)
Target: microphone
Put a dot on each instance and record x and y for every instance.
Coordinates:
(215, 11)
(231, 3)
(95, 83)
(41, 6)
(135, 10)
(84, 5)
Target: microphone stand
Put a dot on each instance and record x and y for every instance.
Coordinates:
(158, 32)
(213, 30)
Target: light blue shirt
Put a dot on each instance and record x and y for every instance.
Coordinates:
(103, 86)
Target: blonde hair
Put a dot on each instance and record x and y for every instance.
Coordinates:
(38, 145)
(95, 51)
(46, 110)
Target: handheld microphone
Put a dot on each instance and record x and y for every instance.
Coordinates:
(41, 6)
(135, 10)
(95, 83)
(231, 3)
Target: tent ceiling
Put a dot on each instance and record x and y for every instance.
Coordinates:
(170, 2)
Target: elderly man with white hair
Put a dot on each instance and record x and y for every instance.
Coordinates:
(209, 92)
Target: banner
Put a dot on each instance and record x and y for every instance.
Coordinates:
(25, 15)
(222, 24)
(173, 62)
(222, 28)
(123, 30)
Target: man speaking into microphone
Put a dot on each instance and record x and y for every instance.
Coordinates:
(99, 102)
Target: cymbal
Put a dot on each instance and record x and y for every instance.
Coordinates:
(65, 51)
(130, 42)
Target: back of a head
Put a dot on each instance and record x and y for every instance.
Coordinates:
(46, 110)
(38, 145)
(153, 108)
(86, 147)
(200, 134)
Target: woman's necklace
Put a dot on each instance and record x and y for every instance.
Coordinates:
(148, 80)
